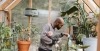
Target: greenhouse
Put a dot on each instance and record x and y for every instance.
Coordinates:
(49, 25)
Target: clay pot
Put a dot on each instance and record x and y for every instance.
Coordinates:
(23, 45)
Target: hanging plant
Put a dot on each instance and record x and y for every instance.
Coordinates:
(31, 12)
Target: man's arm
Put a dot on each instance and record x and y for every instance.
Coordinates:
(57, 36)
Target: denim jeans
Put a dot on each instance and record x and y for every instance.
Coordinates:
(40, 49)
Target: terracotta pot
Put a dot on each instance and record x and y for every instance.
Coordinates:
(23, 45)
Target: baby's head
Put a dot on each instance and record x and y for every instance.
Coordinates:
(50, 33)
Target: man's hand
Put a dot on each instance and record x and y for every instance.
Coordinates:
(66, 34)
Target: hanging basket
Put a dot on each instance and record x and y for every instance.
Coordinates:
(31, 12)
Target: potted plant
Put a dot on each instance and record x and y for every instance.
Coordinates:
(24, 39)
(87, 29)
(24, 42)
(92, 41)
(70, 22)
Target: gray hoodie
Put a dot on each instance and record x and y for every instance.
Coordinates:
(46, 42)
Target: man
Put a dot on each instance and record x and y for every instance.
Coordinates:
(48, 39)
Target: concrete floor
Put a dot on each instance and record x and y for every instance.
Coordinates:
(33, 48)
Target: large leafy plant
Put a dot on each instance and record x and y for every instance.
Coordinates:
(5, 35)
(86, 26)
(4, 31)
(23, 33)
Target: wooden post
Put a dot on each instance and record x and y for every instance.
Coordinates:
(8, 17)
(49, 17)
(0, 0)
(29, 18)
(0, 16)
(98, 34)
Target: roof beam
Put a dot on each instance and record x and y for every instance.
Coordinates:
(5, 4)
(87, 9)
(12, 5)
(90, 5)
(97, 2)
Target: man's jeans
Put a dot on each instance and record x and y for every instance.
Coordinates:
(40, 49)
